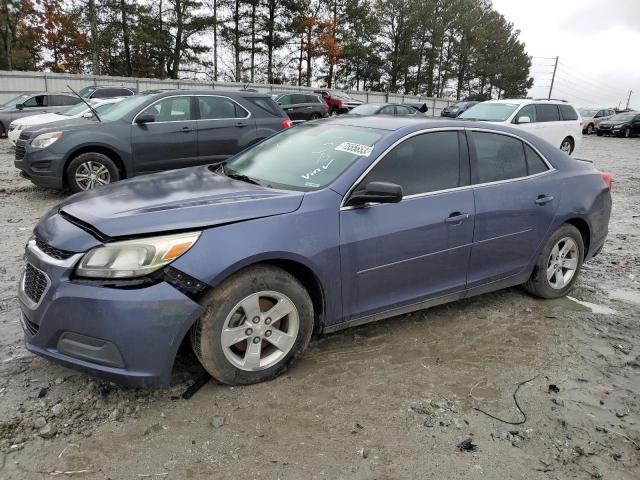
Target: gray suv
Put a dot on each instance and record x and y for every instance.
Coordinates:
(147, 133)
(34, 104)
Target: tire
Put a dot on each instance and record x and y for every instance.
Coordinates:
(314, 116)
(258, 286)
(333, 112)
(567, 145)
(103, 169)
(626, 133)
(590, 129)
(598, 133)
(3, 132)
(541, 284)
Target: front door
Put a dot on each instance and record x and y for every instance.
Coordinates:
(396, 255)
(635, 125)
(516, 197)
(224, 128)
(170, 141)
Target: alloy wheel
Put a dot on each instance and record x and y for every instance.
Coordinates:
(92, 174)
(590, 130)
(566, 146)
(260, 331)
(562, 263)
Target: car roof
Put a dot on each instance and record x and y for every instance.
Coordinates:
(397, 123)
(522, 101)
(228, 93)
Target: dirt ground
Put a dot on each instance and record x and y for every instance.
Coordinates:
(383, 401)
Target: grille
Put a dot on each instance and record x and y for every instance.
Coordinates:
(28, 326)
(35, 283)
(52, 251)
(20, 151)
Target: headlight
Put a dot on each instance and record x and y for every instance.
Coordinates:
(45, 140)
(620, 125)
(134, 258)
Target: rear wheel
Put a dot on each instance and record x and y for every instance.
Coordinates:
(590, 129)
(90, 170)
(558, 264)
(567, 145)
(314, 116)
(256, 323)
(333, 112)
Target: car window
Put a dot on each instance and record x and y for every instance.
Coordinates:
(285, 100)
(63, 100)
(37, 101)
(535, 164)
(298, 98)
(527, 111)
(636, 118)
(388, 110)
(265, 104)
(424, 163)
(567, 112)
(122, 92)
(400, 110)
(171, 109)
(498, 157)
(313, 99)
(219, 107)
(491, 112)
(547, 113)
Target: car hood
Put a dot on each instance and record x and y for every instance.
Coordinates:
(40, 119)
(184, 199)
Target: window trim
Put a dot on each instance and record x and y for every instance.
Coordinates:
(195, 99)
(471, 159)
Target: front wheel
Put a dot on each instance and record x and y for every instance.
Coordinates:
(626, 133)
(590, 129)
(558, 264)
(567, 145)
(90, 170)
(255, 324)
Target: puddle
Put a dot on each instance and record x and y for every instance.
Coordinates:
(595, 308)
(627, 296)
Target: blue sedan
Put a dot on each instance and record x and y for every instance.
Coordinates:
(324, 226)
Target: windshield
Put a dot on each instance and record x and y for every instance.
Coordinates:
(622, 117)
(585, 112)
(124, 107)
(342, 95)
(306, 157)
(14, 101)
(367, 109)
(78, 109)
(491, 112)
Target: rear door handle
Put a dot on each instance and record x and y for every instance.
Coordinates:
(544, 199)
(456, 218)
(241, 124)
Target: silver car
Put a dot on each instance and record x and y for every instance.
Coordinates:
(34, 104)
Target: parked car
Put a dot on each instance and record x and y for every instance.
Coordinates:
(591, 118)
(555, 121)
(339, 102)
(621, 125)
(321, 227)
(106, 91)
(302, 106)
(421, 107)
(395, 109)
(148, 133)
(34, 104)
(77, 111)
(455, 110)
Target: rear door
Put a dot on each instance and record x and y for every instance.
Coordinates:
(394, 255)
(224, 128)
(286, 102)
(168, 142)
(516, 197)
(548, 116)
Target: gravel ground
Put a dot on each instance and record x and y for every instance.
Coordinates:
(386, 401)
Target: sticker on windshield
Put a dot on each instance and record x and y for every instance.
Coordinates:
(355, 148)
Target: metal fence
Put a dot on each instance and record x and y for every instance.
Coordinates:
(13, 83)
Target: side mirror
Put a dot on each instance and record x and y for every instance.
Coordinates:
(20, 106)
(146, 118)
(376, 192)
(524, 119)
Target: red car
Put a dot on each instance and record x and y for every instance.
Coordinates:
(339, 102)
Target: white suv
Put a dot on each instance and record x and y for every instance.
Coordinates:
(555, 121)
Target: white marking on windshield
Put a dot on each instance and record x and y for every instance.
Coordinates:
(355, 148)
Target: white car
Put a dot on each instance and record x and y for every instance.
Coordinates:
(79, 110)
(555, 121)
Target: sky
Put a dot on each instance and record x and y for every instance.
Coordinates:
(598, 42)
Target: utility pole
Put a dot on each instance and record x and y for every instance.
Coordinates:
(555, 67)
(629, 99)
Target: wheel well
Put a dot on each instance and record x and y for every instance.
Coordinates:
(310, 282)
(97, 149)
(585, 233)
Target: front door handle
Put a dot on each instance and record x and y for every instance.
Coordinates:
(543, 199)
(241, 124)
(456, 218)
(185, 129)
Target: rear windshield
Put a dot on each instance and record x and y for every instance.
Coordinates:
(587, 113)
(491, 112)
(266, 105)
(306, 157)
(368, 109)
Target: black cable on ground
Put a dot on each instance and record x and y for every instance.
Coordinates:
(524, 415)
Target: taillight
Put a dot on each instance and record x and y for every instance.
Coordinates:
(608, 179)
(287, 123)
